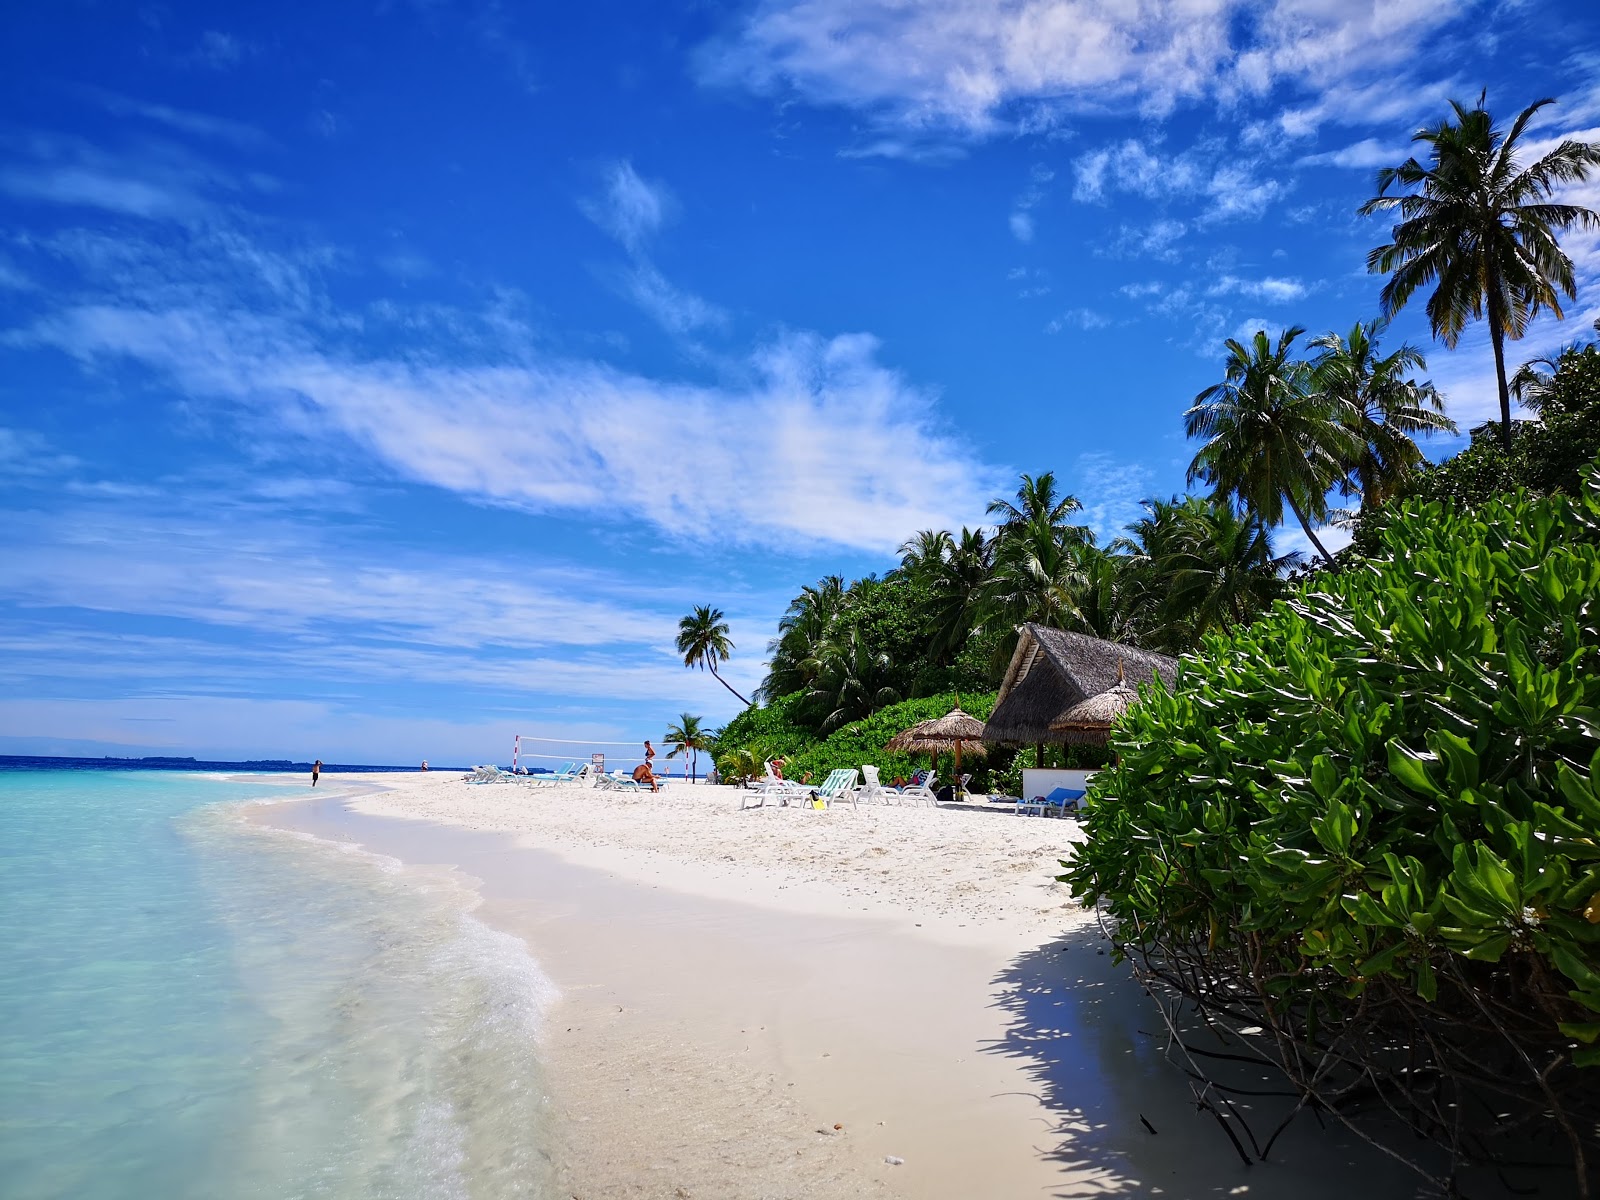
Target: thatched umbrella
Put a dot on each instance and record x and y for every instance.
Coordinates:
(1090, 719)
(949, 732)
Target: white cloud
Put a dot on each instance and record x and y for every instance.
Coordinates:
(1111, 492)
(1157, 240)
(1077, 318)
(1367, 153)
(806, 448)
(1021, 226)
(1291, 539)
(975, 68)
(1207, 170)
(1278, 291)
(631, 209)
(675, 310)
(180, 119)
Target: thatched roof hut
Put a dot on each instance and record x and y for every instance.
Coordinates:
(1053, 671)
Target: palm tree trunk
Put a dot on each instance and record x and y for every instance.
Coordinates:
(1306, 525)
(729, 686)
(1498, 338)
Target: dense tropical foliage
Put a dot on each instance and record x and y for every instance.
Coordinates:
(1368, 822)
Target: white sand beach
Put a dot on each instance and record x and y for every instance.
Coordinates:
(781, 1002)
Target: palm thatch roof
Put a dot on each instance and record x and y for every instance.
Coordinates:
(1091, 720)
(941, 734)
(1053, 671)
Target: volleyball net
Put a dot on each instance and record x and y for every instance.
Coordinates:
(535, 754)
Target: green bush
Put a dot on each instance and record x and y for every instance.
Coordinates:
(1374, 814)
(771, 726)
(854, 744)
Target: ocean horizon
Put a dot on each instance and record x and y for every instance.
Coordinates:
(192, 1005)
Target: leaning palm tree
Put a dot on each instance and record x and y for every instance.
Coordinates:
(1384, 406)
(689, 736)
(703, 641)
(1271, 439)
(1482, 229)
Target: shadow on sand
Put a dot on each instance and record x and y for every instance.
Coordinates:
(1124, 1118)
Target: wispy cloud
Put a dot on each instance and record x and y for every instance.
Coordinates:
(1077, 318)
(633, 210)
(1367, 153)
(1278, 291)
(974, 69)
(629, 207)
(1021, 219)
(1227, 184)
(1111, 492)
(806, 424)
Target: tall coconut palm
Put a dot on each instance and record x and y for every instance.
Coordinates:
(1038, 577)
(689, 736)
(1037, 501)
(1482, 229)
(1219, 566)
(1385, 407)
(923, 553)
(955, 586)
(703, 641)
(1270, 438)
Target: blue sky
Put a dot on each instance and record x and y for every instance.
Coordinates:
(383, 379)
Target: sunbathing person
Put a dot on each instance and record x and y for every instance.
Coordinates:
(643, 774)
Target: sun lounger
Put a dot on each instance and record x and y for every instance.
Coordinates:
(1062, 800)
(839, 785)
(872, 787)
(488, 774)
(921, 787)
(784, 790)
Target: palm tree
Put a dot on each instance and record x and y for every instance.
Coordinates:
(852, 680)
(703, 642)
(804, 626)
(1384, 407)
(1270, 438)
(1038, 577)
(1482, 230)
(691, 736)
(1037, 500)
(924, 552)
(955, 584)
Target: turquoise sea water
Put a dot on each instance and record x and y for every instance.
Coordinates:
(191, 1006)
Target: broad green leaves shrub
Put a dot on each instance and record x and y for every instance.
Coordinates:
(1391, 779)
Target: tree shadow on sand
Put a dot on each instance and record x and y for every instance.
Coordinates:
(1123, 1120)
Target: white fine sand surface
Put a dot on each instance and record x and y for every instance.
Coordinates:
(775, 1002)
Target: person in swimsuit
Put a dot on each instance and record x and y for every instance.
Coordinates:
(316, 769)
(643, 774)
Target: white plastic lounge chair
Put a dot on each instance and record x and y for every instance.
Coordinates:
(488, 774)
(784, 790)
(921, 788)
(839, 785)
(872, 788)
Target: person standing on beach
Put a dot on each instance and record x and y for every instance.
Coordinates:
(316, 769)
